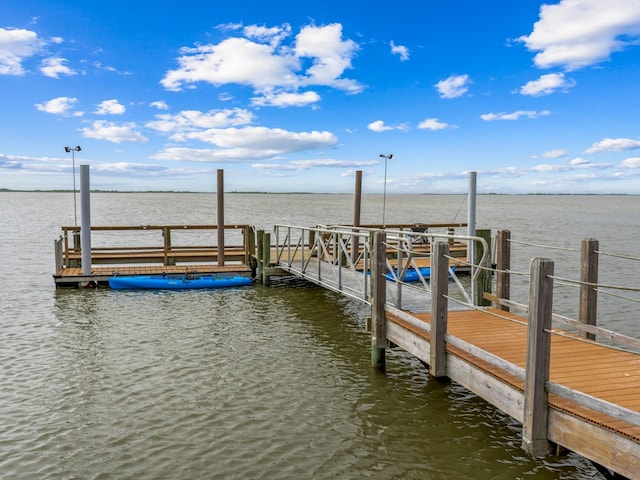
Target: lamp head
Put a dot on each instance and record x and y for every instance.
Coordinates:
(67, 149)
(78, 148)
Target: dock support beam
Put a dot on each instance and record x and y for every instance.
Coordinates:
(588, 279)
(503, 265)
(378, 299)
(536, 397)
(266, 257)
(85, 219)
(259, 254)
(439, 308)
(220, 204)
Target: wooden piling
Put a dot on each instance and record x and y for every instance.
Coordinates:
(266, 257)
(378, 298)
(588, 278)
(250, 244)
(439, 308)
(536, 398)
(503, 265)
(259, 254)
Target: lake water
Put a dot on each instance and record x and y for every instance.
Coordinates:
(262, 382)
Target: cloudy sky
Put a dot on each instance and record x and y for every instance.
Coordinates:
(296, 96)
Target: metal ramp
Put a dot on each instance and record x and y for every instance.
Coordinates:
(339, 259)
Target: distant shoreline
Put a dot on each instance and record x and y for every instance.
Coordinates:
(8, 190)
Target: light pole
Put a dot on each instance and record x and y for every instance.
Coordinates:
(73, 151)
(384, 194)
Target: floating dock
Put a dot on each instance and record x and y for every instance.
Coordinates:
(169, 250)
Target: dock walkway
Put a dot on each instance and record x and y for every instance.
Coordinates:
(587, 398)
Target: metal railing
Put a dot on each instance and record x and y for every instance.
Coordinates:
(315, 253)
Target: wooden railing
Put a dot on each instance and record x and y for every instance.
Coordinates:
(168, 244)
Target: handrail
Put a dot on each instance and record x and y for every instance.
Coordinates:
(299, 249)
(303, 250)
(161, 252)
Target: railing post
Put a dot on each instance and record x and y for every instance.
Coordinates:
(249, 241)
(483, 280)
(259, 253)
(536, 401)
(503, 265)
(266, 257)
(357, 202)
(166, 232)
(589, 275)
(439, 308)
(378, 300)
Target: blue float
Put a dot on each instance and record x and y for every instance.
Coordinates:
(182, 282)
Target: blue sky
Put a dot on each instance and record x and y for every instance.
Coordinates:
(296, 96)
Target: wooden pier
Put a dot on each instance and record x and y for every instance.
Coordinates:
(569, 391)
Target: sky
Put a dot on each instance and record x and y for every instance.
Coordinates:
(291, 96)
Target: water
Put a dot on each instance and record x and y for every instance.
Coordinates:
(257, 382)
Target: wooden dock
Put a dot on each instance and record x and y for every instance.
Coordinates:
(171, 250)
(569, 391)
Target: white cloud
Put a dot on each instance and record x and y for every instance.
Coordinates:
(379, 126)
(432, 124)
(58, 105)
(309, 164)
(269, 141)
(160, 105)
(400, 50)
(287, 99)
(514, 115)
(110, 107)
(553, 154)
(193, 120)
(454, 86)
(633, 162)
(613, 145)
(103, 130)
(262, 62)
(330, 55)
(54, 67)
(577, 162)
(16, 45)
(234, 60)
(547, 84)
(274, 36)
(576, 33)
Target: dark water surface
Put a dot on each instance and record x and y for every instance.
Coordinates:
(255, 382)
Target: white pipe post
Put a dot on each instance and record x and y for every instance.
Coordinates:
(85, 219)
(471, 227)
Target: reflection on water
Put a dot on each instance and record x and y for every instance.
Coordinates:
(239, 383)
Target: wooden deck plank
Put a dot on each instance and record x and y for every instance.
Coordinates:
(595, 369)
